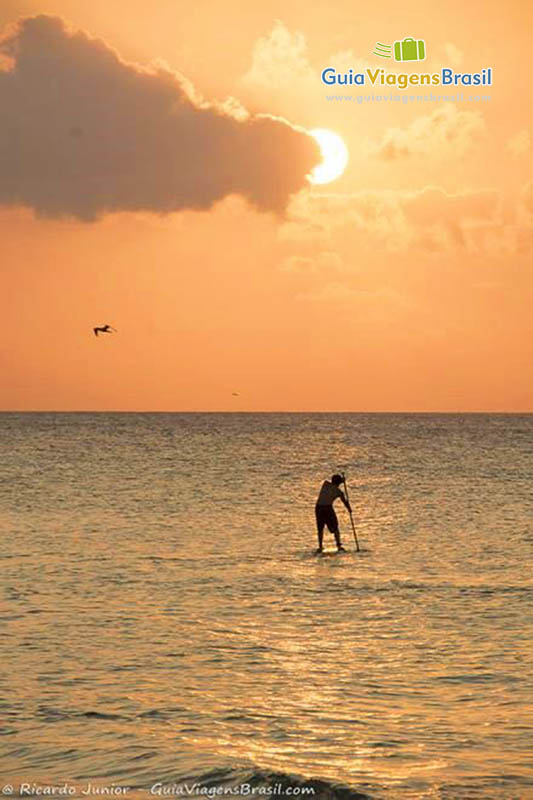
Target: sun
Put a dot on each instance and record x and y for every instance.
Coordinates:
(334, 156)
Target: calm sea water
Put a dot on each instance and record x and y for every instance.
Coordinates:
(166, 627)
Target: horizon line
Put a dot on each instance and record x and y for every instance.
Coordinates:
(236, 411)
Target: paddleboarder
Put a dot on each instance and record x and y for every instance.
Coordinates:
(325, 513)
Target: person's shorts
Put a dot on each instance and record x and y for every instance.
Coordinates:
(325, 515)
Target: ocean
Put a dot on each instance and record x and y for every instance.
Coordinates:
(166, 629)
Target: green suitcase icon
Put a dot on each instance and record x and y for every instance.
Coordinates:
(410, 50)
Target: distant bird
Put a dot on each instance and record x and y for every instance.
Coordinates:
(235, 394)
(104, 329)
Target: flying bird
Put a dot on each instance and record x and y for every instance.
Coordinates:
(104, 329)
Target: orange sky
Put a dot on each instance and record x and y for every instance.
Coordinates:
(404, 285)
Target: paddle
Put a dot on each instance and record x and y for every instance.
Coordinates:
(351, 517)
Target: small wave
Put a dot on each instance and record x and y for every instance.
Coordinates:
(100, 715)
(47, 714)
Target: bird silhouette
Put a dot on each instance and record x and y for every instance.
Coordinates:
(104, 329)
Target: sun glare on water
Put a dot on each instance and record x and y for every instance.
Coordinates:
(334, 156)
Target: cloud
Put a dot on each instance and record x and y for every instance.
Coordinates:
(444, 132)
(279, 59)
(443, 221)
(325, 262)
(453, 55)
(520, 143)
(428, 220)
(280, 62)
(86, 133)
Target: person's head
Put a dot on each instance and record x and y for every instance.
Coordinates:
(336, 479)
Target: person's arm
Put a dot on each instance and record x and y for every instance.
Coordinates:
(344, 500)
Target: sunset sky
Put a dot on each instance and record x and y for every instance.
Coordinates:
(138, 188)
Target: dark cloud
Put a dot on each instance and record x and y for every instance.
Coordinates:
(82, 133)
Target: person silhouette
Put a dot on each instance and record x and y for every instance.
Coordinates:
(325, 513)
